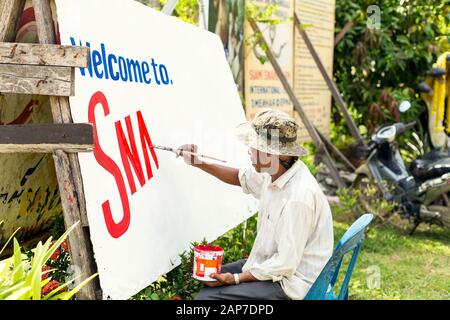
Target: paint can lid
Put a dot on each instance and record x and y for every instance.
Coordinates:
(208, 248)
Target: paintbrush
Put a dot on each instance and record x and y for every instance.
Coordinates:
(184, 151)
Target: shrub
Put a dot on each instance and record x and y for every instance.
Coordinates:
(356, 201)
(179, 283)
(24, 277)
(376, 68)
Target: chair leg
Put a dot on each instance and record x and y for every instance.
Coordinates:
(343, 294)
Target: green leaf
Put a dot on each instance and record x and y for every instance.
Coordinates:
(20, 294)
(18, 265)
(58, 242)
(9, 239)
(8, 291)
(154, 296)
(148, 291)
(71, 293)
(21, 276)
(4, 267)
(34, 276)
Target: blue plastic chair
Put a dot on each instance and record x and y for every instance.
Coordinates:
(322, 289)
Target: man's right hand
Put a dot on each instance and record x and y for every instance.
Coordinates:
(188, 157)
(226, 174)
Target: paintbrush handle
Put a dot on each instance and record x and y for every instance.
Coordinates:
(193, 153)
(202, 155)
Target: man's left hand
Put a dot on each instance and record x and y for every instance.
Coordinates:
(222, 279)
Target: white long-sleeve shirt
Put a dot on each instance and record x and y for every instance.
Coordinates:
(294, 231)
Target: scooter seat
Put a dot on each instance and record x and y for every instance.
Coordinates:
(428, 168)
(436, 154)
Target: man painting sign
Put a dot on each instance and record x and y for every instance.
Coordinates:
(294, 232)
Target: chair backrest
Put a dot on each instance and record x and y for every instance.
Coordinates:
(322, 289)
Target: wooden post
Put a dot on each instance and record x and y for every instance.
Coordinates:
(68, 173)
(321, 150)
(330, 83)
(10, 13)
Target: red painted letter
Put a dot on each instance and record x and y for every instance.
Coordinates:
(145, 139)
(115, 229)
(129, 153)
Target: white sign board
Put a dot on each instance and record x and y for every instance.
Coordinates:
(151, 79)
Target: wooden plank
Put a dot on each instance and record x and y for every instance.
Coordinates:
(347, 27)
(43, 80)
(44, 54)
(46, 138)
(321, 150)
(10, 12)
(68, 173)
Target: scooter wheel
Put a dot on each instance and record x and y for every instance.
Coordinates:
(444, 213)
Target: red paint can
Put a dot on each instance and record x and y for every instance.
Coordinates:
(207, 260)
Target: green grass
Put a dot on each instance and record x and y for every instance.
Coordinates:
(407, 267)
(410, 267)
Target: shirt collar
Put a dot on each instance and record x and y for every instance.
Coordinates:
(285, 177)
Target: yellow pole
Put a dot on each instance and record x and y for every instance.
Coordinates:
(439, 93)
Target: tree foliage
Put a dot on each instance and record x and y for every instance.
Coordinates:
(186, 10)
(375, 68)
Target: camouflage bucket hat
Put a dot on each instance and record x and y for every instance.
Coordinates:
(273, 132)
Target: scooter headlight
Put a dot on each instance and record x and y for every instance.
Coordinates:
(387, 134)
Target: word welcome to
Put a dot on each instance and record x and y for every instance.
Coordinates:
(104, 65)
(128, 149)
